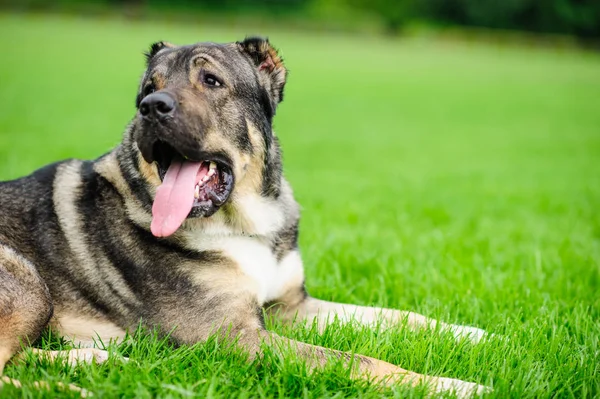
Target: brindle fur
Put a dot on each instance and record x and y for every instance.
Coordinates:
(77, 254)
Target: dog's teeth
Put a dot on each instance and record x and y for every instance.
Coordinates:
(211, 172)
(197, 192)
(213, 166)
(205, 178)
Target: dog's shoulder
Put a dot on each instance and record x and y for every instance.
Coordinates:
(33, 206)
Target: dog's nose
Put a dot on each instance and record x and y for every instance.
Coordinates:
(157, 105)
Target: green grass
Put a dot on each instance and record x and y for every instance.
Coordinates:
(462, 182)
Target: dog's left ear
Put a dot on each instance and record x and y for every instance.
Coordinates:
(155, 48)
(271, 71)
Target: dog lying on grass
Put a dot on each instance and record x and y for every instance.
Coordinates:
(188, 226)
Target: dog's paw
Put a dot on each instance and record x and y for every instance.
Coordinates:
(90, 355)
(11, 381)
(473, 334)
(75, 356)
(87, 355)
(461, 389)
(84, 393)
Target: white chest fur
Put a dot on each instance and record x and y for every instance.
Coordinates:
(270, 278)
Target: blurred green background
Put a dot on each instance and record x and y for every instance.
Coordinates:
(448, 170)
(580, 18)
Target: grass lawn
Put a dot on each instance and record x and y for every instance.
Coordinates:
(461, 182)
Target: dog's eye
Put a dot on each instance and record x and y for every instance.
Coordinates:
(210, 80)
(149, 89)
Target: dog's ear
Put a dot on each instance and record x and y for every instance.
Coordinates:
(155, 48)
(269, 63)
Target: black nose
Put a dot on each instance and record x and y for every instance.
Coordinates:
(157, 105)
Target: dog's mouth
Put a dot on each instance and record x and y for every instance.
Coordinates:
(190, 188)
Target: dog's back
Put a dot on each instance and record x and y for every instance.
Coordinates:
(26, 207)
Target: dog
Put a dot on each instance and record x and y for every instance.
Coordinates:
(187, 227)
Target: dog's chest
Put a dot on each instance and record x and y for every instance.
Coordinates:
(269, 277)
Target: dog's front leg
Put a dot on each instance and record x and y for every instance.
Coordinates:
(231, 312)
(361, 367)
(323, 312)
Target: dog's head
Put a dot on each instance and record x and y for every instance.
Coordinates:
(203, 126)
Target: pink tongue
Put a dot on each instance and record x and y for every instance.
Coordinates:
(174, 198)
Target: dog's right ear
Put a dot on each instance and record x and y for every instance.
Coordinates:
(156, 48)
